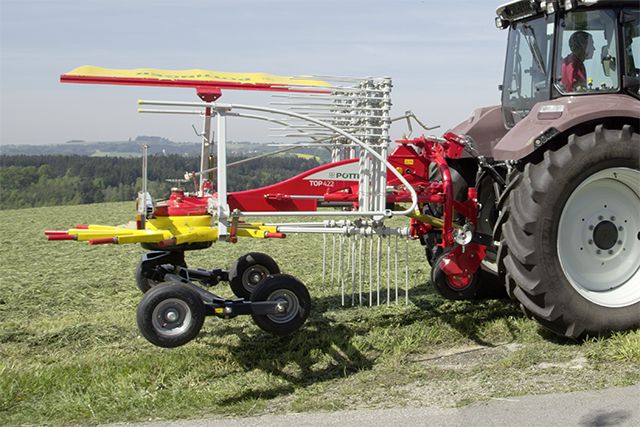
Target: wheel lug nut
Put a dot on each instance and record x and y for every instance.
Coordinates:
(613, 218)
(600, 218)
(590, 242)
(591, 227)
(619, 242)
(610, 252)
(598, 251)
(620, 228)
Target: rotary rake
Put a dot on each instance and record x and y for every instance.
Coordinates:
(357, 192)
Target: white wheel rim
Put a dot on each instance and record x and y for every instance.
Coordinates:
(599, 238)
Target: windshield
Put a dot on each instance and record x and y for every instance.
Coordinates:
(631, 40)
(527, 68)
(587, 53)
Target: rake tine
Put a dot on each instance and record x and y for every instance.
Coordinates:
(360, 268)
(333, 260)
(388, 270)
(406, 272)
(324, 257)
(396, 259)
(348, 256)
(341, 270)
(371, 272)
(353, 272)
(379, 252)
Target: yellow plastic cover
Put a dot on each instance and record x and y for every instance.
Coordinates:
(194, 75)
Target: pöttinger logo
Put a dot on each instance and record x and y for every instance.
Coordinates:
(347, 175)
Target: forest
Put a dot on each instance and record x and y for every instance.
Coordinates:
(49, 180)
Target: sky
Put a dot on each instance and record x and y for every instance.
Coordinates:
(445, 58)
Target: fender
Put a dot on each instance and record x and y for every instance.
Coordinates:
(550, 118)
(485, 126)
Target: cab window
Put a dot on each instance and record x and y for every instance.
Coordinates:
(587, 60)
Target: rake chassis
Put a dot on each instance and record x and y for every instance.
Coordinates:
(539, 195)
(364, 182)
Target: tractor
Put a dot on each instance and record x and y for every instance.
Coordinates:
(557, 169)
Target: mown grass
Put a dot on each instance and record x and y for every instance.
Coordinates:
(70, 351)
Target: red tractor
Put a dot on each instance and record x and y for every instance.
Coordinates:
(557, 169)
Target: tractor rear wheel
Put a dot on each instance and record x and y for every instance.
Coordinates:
(573, 235)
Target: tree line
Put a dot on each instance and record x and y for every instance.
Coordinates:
(49, 180)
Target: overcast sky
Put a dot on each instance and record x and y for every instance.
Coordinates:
(445, 58)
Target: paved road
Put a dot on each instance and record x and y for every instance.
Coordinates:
(609, 407)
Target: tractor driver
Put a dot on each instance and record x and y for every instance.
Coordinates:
(574, 74)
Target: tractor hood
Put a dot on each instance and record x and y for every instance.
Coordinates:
(548, 119)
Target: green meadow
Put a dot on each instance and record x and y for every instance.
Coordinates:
(71, 353)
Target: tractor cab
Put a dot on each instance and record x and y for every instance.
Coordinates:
(568, 48)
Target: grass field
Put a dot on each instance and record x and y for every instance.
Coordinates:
(307, 156)
(70, 351)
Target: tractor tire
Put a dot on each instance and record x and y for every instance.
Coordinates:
(572, 235)
(248, 271)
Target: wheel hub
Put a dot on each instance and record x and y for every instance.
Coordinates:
(254, 275)
(171, 316)
(287, 306)
(605, 235)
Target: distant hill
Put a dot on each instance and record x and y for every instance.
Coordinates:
(133, 148)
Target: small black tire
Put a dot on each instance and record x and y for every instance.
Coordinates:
(144, 270)
(450, 290)
(248, 271)
(282, 287)
(170, 315)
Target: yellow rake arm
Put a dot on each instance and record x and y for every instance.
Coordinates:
(171, 230)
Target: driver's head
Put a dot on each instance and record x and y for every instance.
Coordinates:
(581, 44)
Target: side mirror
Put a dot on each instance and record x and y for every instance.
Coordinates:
(608, 61)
